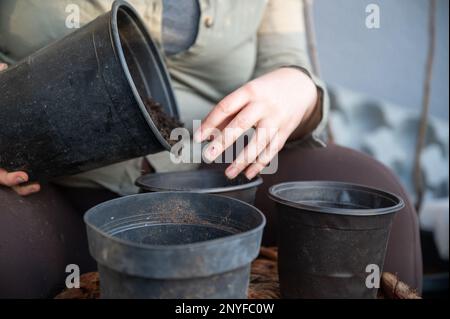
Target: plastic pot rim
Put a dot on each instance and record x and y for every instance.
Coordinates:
(218, 241)
(115, 34)
(257, 181)
(273, 194)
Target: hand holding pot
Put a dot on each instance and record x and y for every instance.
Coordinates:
(276, 104)
(14, 180)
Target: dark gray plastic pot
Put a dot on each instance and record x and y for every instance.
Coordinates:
(174, 245)
(329, 233)
(77, 104)
(206, 181)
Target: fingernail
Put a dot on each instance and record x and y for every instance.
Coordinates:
(251, 174)
(20, 180)
(232, 172)
(212, 152)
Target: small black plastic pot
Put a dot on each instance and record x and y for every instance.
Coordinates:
(174, 246)
(77, 104)
(329, 233)
(206, 181)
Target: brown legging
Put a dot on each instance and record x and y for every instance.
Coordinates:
(42, 234)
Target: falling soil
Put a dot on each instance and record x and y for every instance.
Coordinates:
(164, 122)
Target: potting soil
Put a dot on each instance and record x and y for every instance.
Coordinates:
(164, 122)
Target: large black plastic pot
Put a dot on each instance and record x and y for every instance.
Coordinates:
(174, 245)
(206, 181)
(77, 104)
(329, 233)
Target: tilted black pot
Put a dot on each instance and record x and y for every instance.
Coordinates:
(77, 104)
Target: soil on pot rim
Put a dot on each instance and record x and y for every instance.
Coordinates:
(164, 122)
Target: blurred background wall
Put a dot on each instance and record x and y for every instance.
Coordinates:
(387, 63)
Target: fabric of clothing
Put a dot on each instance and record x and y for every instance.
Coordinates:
(180, 25)
(236, 42)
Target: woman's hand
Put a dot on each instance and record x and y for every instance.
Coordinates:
(276, 104)
(16, 179)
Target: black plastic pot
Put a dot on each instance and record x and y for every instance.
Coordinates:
(206, 181)
(174, 245)
(329, 233)
(77, 104)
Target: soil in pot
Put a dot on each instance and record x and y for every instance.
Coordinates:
(164, 122)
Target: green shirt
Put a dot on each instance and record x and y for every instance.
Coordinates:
(237, 41)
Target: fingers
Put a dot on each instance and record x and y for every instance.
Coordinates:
(12, 179)
(228, 107)
(264, 159)
(27, 190)
(257, 145)
(15, 180)
(244, 121)
(3, 67)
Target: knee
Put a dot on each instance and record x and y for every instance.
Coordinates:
(334, 163)
(39, 236)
